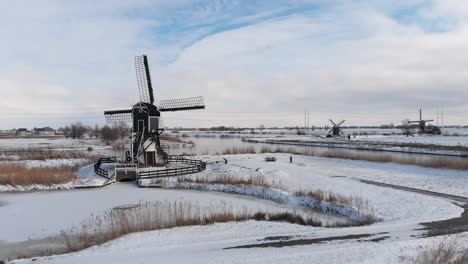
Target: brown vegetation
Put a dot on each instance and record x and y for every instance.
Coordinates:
(236, 150)
(16, 175)
(447, 251)
(171, 139)
(353, 202)
(159, 215)
(31, 154)
(256, 180)
(28, 137)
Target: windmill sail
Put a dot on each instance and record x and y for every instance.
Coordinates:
(143, 79)
(117, 116)
(191, 103)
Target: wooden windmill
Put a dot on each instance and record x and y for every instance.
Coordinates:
(336, 128)
(145, 116)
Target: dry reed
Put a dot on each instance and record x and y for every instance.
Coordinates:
(256, 180)
(16, 175)
(447, 251)
(149, 216)
(237, 150)
(46, 155)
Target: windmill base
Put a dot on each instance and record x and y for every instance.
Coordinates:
(127, 172)
(124, 175)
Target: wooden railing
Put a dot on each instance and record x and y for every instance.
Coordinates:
(101, 172)
(195, 167)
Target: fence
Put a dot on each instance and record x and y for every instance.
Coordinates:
(195, 167)
(101, 172)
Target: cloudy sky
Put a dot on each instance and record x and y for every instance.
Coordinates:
(255, 62)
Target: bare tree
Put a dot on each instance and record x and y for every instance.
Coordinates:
(77, 130)
(122, 129)
(96, 131)
(406, 127)
(67, 131)
(108, 133)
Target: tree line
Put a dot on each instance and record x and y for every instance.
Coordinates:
(109, 133)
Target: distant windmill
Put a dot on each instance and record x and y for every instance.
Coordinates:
(145, 147)
(336, 129)
(426, 129)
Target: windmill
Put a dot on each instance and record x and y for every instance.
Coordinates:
(145, 116)
(426, 129)
(336, 129)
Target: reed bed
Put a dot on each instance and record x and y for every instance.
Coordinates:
(349, 201)
(17, 175)
(447, 251)
(256, 180)
(157, 215)
(238, 150)
(31, 154)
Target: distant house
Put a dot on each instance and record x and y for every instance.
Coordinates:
(22, 132)
(44, 131)
(4, 133)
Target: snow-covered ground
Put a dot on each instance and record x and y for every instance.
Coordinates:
(420, 139)
(417, 139)
(322, 173)
(39, 214)
(207, 244)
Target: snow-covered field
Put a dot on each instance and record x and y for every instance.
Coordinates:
(416, 139)
(35, 215)
(420, 139)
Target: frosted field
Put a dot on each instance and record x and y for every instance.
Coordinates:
(418, 139)
(421, 139)
(30, 216)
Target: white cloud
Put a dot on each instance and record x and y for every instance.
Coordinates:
(350, 60)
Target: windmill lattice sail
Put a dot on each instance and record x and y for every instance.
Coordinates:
(182, 104)
(143, 79)
(117, 116)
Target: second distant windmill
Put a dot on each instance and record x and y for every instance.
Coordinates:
(336, 129)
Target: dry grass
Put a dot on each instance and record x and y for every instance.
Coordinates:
(236, 151)
(171, 139)
(256, 180)
(46, 155)
(149, 216)
(352, 202)
(16, 175)
(28, 137)
(447, 251)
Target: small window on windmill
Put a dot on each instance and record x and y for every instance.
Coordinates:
(153, 124)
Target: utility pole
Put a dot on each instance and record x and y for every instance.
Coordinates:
(442, 119)
(308, 118)
(305, 111)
